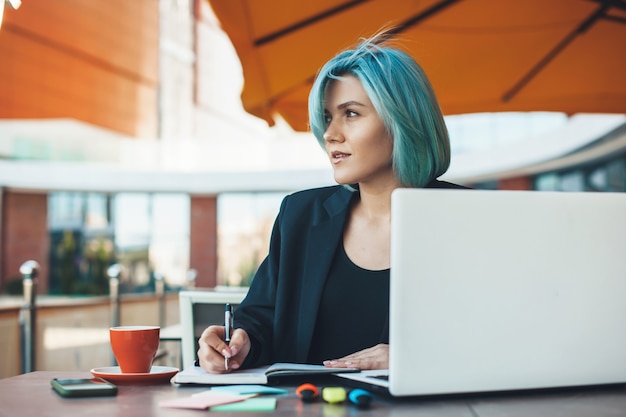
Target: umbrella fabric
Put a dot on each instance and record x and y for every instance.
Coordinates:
(481, 55)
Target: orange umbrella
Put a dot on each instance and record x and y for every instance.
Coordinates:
(481, 55)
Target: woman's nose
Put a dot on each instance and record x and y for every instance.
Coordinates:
(332, 134)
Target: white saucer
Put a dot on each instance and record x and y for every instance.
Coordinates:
(157, 375)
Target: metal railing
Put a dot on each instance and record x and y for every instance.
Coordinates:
(113, 273)
(28, 313)
(159, 287)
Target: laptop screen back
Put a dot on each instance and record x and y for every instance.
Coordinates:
(504, 290)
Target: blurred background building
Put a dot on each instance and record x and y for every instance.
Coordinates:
(123, 139)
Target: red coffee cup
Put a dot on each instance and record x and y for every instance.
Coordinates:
(134, 347)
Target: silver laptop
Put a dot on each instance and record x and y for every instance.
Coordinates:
(505, 290)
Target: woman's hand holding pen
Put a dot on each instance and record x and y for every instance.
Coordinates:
(213, 349)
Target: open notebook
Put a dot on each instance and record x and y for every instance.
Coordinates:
(505, 290)
(263, 375)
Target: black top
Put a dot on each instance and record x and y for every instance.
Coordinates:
(351, 295)
(281, 307)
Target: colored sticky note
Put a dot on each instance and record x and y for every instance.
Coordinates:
(199, 403)
(222, 394)
(262, 404)
(250, 389)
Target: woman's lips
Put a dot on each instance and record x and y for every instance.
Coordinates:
(338, 156)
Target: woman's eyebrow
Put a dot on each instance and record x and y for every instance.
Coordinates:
(350, 103)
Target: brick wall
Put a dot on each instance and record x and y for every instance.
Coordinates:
(203, 240)
(24, 235)
(517, 183)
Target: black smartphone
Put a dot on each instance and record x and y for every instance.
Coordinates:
(83, 387)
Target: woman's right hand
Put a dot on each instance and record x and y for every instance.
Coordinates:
(212, 349)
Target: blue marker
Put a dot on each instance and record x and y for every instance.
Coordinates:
(360, 398)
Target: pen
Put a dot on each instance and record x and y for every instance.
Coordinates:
(228, 325)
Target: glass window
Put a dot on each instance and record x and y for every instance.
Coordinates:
(245, 222)
(169, 244)
(81, 243)
(152, 235)
(65, 210)
(144, 232)
(547, 182)
(573, 181)
(616, 174)
(597, 179)
(97, 211)
(132, 223)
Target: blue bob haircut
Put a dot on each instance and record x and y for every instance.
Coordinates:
(403, 97)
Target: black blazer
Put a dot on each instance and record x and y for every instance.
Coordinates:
(280, 309)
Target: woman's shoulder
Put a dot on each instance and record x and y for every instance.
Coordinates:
(319, 194)
(318, 202)
(445, 184)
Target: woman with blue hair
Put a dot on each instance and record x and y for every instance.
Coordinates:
(322, 293)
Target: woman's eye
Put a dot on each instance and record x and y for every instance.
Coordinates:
(327, 119)
(351, 113)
